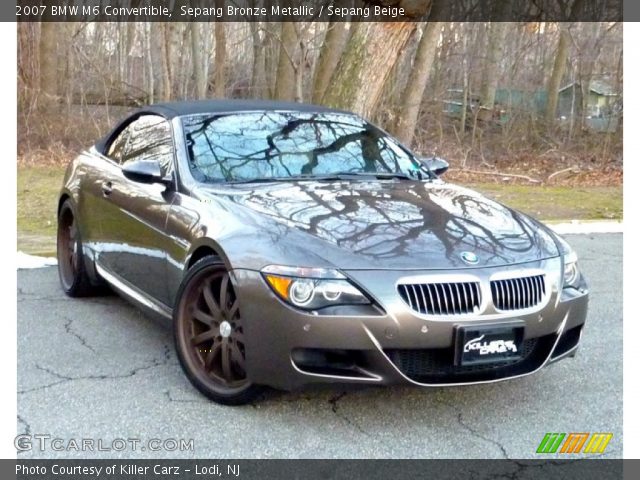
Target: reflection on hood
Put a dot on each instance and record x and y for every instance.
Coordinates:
(398, 224)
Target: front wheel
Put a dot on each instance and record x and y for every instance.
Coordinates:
(209, 334)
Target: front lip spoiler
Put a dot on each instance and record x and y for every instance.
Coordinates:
(548, 360)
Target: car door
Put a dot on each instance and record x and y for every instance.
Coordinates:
(133, 223)
(97, 210)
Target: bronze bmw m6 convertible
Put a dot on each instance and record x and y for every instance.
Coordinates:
(294, 244)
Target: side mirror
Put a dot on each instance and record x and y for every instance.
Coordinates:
(144, 171)
(436, 164)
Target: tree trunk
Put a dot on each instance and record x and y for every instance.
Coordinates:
(332, 47)
(368, 59)
(271, 49)
(48, 59)
(199, 77)
(491, 70)
(405, 123)
(285, 87)
(396, 84)
(165, 61)
(589, 54)
(465, 88)
(131, 37)
(259, 86)
(121, 54)
(66, 66)
(559, 69)
(149, 61)
(220, 78)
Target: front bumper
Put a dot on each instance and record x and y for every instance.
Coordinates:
(287, 348)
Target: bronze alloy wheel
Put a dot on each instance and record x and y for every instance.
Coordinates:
(71, 268)
(209, 334)
(67, 247)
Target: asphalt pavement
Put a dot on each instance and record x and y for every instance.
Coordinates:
(98, 370)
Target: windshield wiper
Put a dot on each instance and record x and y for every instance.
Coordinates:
(263, 180)
(328, 177)
(370, 175)
(401, 176)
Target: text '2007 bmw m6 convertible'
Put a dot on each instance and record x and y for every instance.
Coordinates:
(293, 244)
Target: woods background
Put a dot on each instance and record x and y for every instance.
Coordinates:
(532, 102)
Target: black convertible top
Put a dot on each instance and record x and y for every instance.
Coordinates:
(177, 109)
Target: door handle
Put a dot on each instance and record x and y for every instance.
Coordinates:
(107, 188)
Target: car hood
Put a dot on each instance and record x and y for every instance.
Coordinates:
(391, 224)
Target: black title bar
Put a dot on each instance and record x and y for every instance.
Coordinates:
(316, 10)
(556, 468)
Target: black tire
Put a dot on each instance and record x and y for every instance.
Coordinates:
(71, 268)
(209, 335)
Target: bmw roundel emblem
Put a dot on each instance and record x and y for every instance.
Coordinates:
(469, 257)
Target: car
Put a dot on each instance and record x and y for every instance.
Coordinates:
(292, 245)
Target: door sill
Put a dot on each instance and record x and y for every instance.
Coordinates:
(131, 292)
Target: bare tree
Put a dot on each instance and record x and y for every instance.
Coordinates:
(48, 59)
(149, 62)
(369, 56)
(220, 78)
(165, 60)
(199, 75)
(491, 71)
(557, 74)
(405, 121)
(285, 87)
(332, 48)
(425, 85)
(259, 85)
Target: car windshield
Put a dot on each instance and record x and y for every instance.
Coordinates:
(264, 146)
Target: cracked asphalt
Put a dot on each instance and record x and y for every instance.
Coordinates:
(98, 368)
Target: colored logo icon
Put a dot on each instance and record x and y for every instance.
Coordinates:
(593, 443)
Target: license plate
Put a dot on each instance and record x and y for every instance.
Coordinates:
(489, 343)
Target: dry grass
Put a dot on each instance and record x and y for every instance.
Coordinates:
(38, 189)
(556, 203)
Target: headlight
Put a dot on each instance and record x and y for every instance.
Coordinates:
(312, 288)
(571, 275)
(571, 272)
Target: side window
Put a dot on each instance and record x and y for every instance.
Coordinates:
(149, 139)
(117, 146)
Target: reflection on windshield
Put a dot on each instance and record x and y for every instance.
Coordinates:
(265, 145)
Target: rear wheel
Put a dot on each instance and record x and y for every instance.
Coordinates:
(209, 334)
(71, 269)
